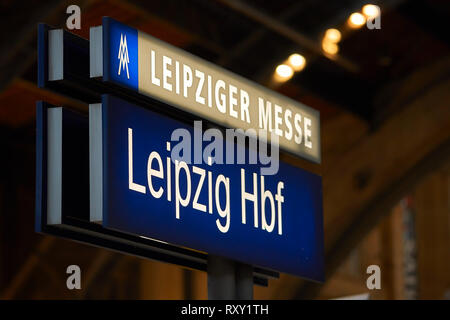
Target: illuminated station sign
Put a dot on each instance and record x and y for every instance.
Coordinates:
(174, 156)
(232, 210)
(137, 61)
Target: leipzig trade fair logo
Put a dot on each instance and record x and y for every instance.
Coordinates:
(123, 55)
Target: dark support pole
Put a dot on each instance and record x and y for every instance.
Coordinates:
(228, 279)
(221, 278)
(244, 281)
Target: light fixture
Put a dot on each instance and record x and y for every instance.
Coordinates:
(329, 47)
(356, 20)
(283, 72)
(333, 35)
(297, 61)
(371, 11)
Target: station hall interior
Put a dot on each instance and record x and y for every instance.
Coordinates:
(382, 88)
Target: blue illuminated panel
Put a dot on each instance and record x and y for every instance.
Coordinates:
(293, 246)
(120, 51)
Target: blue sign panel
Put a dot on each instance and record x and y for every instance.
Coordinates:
(232, 210)
(122, 67)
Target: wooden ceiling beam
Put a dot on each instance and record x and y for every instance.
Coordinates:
(366, 182)
(363, 180)
(432, 213)
(288, 32)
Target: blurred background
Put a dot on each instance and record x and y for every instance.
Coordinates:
(381, 81)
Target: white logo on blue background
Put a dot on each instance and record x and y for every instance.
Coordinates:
(123, 57)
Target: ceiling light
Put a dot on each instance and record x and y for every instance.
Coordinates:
(330, 47)
(371, 11)
(297, 61)
(333, 35)
(356, 20)
(284, 72)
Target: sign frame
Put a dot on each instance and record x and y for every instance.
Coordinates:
(75, 226)
(133, 210)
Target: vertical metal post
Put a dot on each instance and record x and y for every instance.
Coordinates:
(221, 278)
(244, 281)
(228, 279)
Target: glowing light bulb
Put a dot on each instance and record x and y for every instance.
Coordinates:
(284, 72)
(330, 47)
(297, 61)
(371, 11)
(333, 35)
(356, 20)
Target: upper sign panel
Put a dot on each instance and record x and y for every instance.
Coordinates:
(134, 60)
